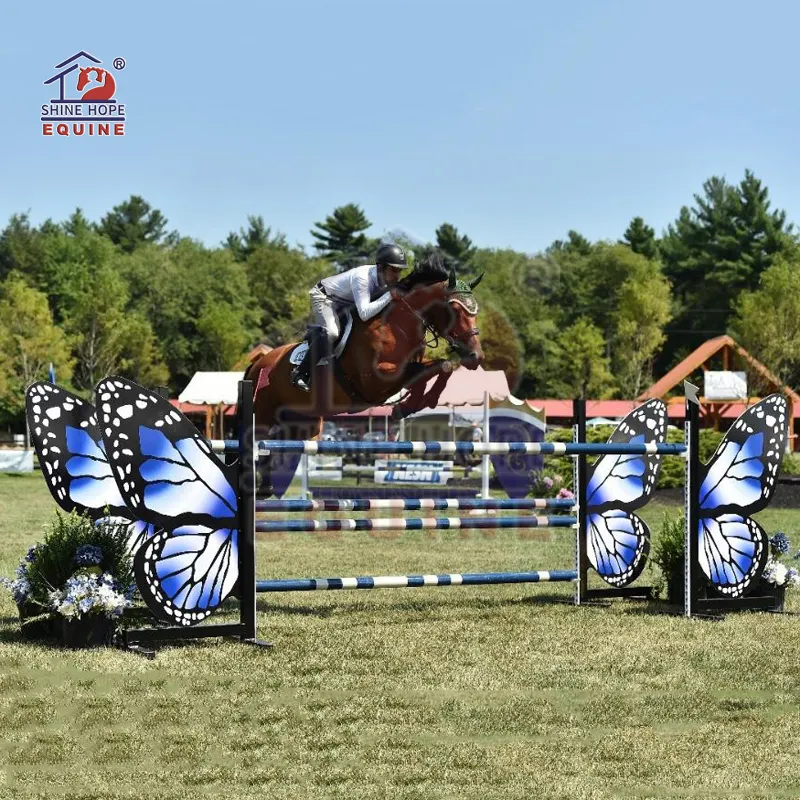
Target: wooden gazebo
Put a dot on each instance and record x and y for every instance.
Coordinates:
(723, 353)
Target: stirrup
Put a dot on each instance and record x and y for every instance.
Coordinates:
(299, 381)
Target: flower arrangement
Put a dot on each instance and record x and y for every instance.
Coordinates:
(89, 594)
(20, 587)
(81, 569)
(776, 572)
(542, 485)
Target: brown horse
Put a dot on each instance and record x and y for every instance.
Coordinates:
(382, 356)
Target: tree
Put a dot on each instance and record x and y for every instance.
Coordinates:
(257, 234)
(280, 279)
(590, 284)
(641, 238)
(457, 249)
(716, 250)
(513, 284)
(223, 336)
(21, 249)
(133, 223)
(576, 243)
(175, 291)
(766, 321)
(643, 310)
(68, 264)
(77, 224)
(140, 358)
(502, 348)
(583, 365)
(29, 343)
(340, 237)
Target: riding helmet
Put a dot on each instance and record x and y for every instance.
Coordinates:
(391, 254)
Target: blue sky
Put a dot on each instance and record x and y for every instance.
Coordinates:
(514, 121)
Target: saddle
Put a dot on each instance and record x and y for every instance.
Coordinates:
(345, 327)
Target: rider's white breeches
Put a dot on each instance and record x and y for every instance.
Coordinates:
(324, 314)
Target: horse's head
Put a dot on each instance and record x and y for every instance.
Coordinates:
(83, 76)
(454, 319)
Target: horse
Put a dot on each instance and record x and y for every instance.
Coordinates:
(381, 357)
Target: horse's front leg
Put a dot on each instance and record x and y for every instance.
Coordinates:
(415, 379)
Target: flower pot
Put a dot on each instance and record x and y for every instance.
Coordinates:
(28, 609)
(44, 626)
(90, 630)
(767, 589)
(676, 585)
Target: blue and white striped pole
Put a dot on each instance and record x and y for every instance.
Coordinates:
(421, 504)
(476, 448)
(412, 524)
(413, 581)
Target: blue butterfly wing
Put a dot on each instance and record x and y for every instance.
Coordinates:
(626, 480)
(170, 477)
(740, 480)
(72, 456)
(732, 552)
(71, 453)
(617, 545)
(138, 530)
(618, 541)
(185, 574)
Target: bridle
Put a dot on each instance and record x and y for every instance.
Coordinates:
(456, 343)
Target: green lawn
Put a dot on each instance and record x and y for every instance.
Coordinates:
(462, 692)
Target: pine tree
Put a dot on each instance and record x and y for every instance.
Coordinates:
(133, 223)
(641, 238)
(340, 238)
(715, 251)
(456, 249)
(77, 224)
(257, 234)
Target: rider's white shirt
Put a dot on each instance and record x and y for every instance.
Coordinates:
(358, 286)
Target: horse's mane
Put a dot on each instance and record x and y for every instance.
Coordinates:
(430, 270)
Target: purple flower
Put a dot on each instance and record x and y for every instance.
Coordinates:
(87, 555)
(780, 542)
(548, 483)
(29, 556)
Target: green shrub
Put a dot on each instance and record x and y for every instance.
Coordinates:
(667, 551)
(790, 464)
(52, 562)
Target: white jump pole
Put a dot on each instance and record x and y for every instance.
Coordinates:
(485, 459)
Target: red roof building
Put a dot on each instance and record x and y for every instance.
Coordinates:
(720, 353)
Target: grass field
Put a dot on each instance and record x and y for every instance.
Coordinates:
(464, 692)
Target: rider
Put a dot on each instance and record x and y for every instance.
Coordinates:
(369, 288)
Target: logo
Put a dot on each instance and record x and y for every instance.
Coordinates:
(86, 104)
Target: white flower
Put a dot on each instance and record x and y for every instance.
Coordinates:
(84, 594)
(779, 574)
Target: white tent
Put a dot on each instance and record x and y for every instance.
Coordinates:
(212, 388)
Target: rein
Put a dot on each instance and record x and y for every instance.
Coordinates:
(452, 341)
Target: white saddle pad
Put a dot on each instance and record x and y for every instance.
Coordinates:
(296, 356)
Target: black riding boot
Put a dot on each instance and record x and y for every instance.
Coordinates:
(301, 374)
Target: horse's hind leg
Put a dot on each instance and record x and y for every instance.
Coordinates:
(264, 464)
